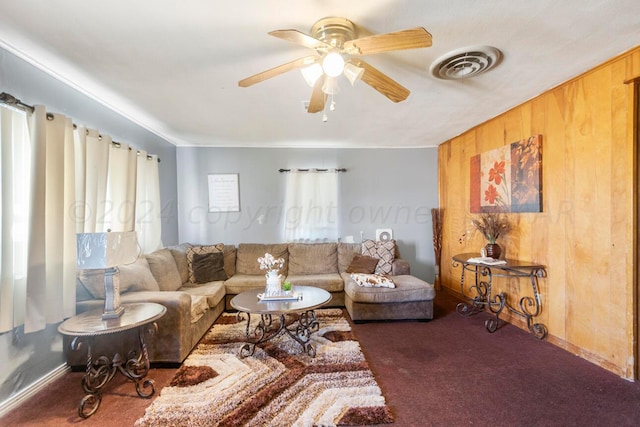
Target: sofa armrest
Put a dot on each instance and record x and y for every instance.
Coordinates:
(400, 267)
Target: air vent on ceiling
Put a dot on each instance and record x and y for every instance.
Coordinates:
(466, 62)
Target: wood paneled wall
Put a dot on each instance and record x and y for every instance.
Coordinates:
(586, 234)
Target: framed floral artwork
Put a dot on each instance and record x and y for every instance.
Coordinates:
(509, 178)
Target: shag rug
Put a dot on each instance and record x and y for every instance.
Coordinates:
(278, 385)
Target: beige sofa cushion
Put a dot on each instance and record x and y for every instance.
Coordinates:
(179, 253)
(199, 307)
(244, 282)
(408, 289)
(248, 254)
(164, 269)
(346, 251)
(133, 277)
(213, 291)
(331, 282)
(137, 276)
(92, 281)
(313, 258)
(229, 259)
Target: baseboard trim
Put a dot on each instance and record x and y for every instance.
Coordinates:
(30, 391)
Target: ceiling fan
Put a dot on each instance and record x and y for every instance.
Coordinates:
(338, 51)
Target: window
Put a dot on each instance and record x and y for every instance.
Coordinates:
(57, 181)
(311, 206)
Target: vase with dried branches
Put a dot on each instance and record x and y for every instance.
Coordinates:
(492, 225)
(436, 218)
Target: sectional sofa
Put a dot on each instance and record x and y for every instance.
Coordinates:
(197, 282)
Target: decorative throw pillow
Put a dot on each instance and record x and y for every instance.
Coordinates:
(200, 250)
(164, 269)
(362, 264)
(372, 281)
(137, 276)
(384, 251)
(92, 281)
(208, 267)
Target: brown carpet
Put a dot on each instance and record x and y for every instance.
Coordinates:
(446, 372)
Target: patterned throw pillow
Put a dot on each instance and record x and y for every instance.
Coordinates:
(200, 250)
(384, 251)
(372, 280)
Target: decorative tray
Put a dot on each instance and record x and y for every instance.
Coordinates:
(292, 297)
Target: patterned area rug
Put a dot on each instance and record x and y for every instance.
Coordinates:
(278, 385)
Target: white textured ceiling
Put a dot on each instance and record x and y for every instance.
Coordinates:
(173, 67)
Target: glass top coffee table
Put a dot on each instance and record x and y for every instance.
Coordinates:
(295, 316)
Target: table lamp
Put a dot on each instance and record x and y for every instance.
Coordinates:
(107, 251)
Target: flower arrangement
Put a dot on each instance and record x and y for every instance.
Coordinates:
(268, 262)
(491, 225)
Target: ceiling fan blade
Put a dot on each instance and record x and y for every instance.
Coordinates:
(381, 82)
(318, 97)
(276, 71)
(399, 40)
(300, 38)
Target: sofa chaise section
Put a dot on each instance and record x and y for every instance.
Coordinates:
(411, 299)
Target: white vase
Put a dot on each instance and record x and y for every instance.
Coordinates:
(274, 283)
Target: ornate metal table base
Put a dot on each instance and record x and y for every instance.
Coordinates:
(101, 371)
(266, 329)
(483, 296)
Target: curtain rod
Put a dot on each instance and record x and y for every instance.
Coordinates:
(314, 170)
(12, 101)
(138, 152)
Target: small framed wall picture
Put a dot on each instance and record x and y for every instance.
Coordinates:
(224, 192)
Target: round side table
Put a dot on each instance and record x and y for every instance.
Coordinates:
(88, 326)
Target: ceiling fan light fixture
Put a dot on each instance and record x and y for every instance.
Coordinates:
(333, 64)
(353, 73)
(330, 86)
(312, 73)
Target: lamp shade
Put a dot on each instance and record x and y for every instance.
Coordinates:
(353, 73)
(311, 73)
(330, 86)
(105, 250)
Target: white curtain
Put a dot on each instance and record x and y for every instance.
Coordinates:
(311, 206)
(14, 161)
(57, 182)
(148, 213)
(51, 252)
(92, 155)
(119, 212)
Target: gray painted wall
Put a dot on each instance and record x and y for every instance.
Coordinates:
(383, 188)
(27, 358)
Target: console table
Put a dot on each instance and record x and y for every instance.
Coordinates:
(89, 326)
(483, 295)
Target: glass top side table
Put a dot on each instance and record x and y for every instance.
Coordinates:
(87, 326)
